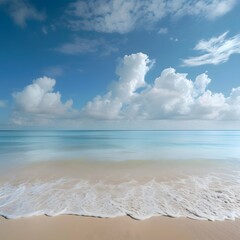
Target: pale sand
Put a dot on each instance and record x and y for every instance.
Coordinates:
(75, 227)
(89, 228)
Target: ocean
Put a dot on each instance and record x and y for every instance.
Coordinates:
(141, 174)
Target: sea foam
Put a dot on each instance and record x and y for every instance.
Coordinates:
(212, 197)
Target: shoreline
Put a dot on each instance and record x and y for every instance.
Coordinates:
(82, 227)
(140, 191)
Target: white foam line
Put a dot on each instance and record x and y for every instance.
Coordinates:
(204, 198)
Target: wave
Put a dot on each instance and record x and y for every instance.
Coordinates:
(215, 197)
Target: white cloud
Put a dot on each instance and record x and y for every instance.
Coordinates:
(171, 96)
(201, 83)
(124, 16)
(103, 16)
(233, 101)
(209, 9)
(131, 72)
(215, 50)
(39, 101)
(83, 45)
(3, 104)
(209, 106)
(21, 11)
(163, 31)
(39, 97)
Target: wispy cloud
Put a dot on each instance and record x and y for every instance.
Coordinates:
(21, 11)
(123, 16)
(83, 45)
(215, 50)
(209, 9)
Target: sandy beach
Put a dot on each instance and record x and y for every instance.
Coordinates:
(51, 199)
(77, 227)
(120, 120)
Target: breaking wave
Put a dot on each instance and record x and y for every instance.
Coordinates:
(215, 197)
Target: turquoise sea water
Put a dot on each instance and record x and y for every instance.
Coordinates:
(27, 146)
(212, 193)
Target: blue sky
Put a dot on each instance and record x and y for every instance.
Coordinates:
(119, 64)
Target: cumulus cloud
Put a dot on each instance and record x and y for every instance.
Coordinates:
(39, 101)
(124, 16)
(83, 45)
(233, 102)
(21, 11)
(131, 72)
(215, 50)
(171, 96)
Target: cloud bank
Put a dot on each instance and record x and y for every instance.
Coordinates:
(215, 50)
(124, 16)
(171, 96)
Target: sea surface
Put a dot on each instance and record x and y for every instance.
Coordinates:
(141, 174)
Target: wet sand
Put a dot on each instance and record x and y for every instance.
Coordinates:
(120, 228)
(112, 172)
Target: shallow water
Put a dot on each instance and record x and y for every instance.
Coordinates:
(28, 146)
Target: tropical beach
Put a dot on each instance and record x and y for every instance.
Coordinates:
(119, 119)
(196, 197)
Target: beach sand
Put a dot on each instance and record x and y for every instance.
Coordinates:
(71, 227)
(121, 228)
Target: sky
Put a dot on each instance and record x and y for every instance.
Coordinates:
(118, 64)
